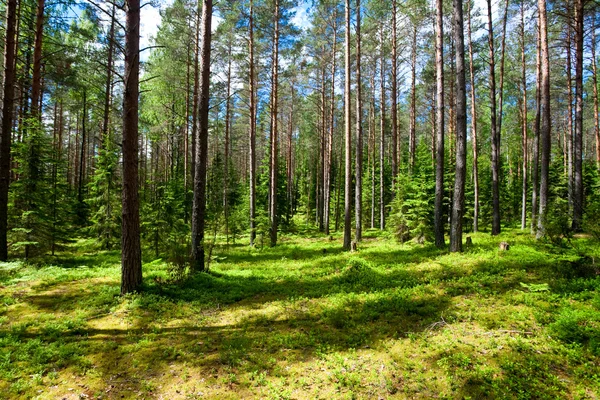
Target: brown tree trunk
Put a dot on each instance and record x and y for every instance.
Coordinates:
(328, 168)
(359, 135)
(273, 166)
(535, 152)
(226, 152)
(36, 84)
(196, 89)
(348, 141)
(8, 103)
(252, 130)
(108, 85)
(394, 94)
(458, 205)
(495, 137)
(131, 253)
(473, 126)
(595, 84)
(578, 139)
(412, 142)
(568, 137)
(199, 203)
(439, 122)
(382, 142)
(524, 120)
(545, 137)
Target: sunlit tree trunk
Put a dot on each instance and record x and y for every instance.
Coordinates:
(199, 201)
(439, 123)
(131, 253)
(359, 134)
(473, 126)
(273, 166)
(578, 139)
(348, 141)
(495, 139)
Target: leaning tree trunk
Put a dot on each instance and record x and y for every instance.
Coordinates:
(439, 123)
(545, 137)
(458, 206)
(131, 258)
(199, 203)
(359, 134)
(348, 141)
(8, 102)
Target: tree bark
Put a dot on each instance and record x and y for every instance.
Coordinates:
(199, 203)
(412, 138)
(473, 126)
(544, 117)
(595, 84)
(458, 205)
(348, 141)
(8, 103)
(329, 158)
(535, 169)
(274, 134)
(36, 84)
(108, 84)
(131, 253)
(495, 139)
(394, 94)
(578, 139)
(359, 134)
(252, 126)
(439, 122)
(524, 120)
(382, 142)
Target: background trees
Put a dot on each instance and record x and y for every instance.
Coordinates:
(272, 143)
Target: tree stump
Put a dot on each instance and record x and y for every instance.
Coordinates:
(504, 246)
(469, 242)
(354, 246)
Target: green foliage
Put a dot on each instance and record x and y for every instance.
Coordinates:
(580, 326)
(411, 214)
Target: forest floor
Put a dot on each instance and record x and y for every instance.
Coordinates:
(306, 320)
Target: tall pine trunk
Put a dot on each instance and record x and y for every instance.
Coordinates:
(545, 137)
(131, 252)
(252, 126)
(473, 127)
(458, 205)
(273, 166)
(8, 103)
(348, 141)
(524, 120)
(578, 139)
(199, 202)
(394, 93)
(495, 137)
(439, 123)
(359, 134)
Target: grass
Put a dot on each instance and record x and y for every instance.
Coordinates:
(306, 320)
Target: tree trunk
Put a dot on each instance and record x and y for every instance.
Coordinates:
(328, 169)
(473, 126)
(252, 130)
(458, 205)
(535, 153)
(199, 203)
(524, 120)
(544, 117)
(412, 142)
(8, 102)
(394, 94)
(495, 139)
(36, 85)
(131, 258)
(348, 141)
(595, 84)
(108, 85)
(568, 137)
(382, 142)
(359, 135)
(274, 134)
(578, 139)
(439, 122)
(196, 89)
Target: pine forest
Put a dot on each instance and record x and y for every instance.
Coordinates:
(299, 199)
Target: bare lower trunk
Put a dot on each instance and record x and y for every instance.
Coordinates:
(131, 258)
(394, 94)
(348, 141)
(458, 205)
(578, 139)
(359, 138)
(473, 127)
(252, 130)
(8, 101)
(524, 120)
(495, 137)
(199, 201)
(273, 166)
(544, 117)
(439, 123)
